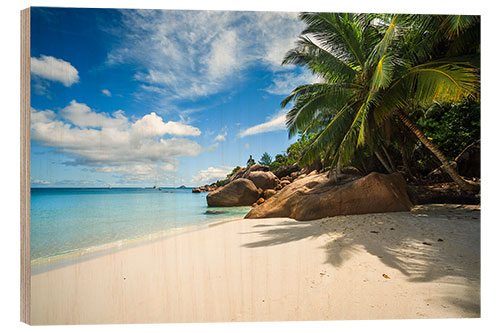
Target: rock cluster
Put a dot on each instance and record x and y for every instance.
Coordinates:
(267, 184)
(302, 194)
(205, 188)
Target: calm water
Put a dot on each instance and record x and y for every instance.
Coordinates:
(67, 220)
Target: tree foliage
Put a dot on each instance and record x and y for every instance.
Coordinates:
(266, 159)
(374, 67)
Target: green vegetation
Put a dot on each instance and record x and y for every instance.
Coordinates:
(392, 89)
(266, 159)
(234, 171)
(452, 127)
(378, 73)
(221, 182)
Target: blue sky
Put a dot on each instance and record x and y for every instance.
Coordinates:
(143, 97)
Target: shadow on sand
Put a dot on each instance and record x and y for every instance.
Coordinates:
(425, 244)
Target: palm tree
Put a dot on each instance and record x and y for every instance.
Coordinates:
(375, 68)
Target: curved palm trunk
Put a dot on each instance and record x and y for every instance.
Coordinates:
(389, 159)
(383, 161)
(462, 183)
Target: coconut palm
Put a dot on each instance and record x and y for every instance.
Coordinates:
(375, 68)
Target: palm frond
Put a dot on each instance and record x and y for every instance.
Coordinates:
(454, 25)
(315, 88)
(332, 135)
(379, 51)
(308, 107)
(441, 81)
(339, 30)
(319, 60)
(448, 82)
(382, 74)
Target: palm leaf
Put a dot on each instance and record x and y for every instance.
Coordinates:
(442, 81)
(319, 61)
(339, 30)
(382, 74)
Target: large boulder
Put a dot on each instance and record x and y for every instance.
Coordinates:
(236, 175)
(263, 179)
(253, 168)
(286, 170)
(241, 192)
(244, 172)
(316, 196)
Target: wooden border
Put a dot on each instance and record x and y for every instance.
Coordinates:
(25, 165)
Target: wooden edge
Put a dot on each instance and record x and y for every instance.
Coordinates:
(25, 166)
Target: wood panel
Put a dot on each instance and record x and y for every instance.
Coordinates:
(25, 166)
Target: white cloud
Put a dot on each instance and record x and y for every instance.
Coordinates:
(53, 69)
(222, 135)
(152, 125)
(212, 147)
(224, 56)
(212, 174)
(81, 115)
(152, 172)
(151, 88)
(106, 92)
(146, 148)
(188, 54)
(276, 123)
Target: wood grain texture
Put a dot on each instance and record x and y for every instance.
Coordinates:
(25, 167)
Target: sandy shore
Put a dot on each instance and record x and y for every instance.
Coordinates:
(280, 269)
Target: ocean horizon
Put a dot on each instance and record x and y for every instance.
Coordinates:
(68, 220)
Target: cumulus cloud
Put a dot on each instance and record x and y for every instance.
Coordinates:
(53, 69)
(221, 136)
(146, 147)
(276, 123)
(152, 125)
(212, 174)
(82, 116)
(106, 92)
(183, 54)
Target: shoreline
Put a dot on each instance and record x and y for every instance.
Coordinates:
(70, 257)
(280, 269)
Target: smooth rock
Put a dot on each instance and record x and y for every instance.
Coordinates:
(268, 193)
(241, 192)
(263, 179)
(316, 196)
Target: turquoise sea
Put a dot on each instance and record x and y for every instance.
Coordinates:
(72, 220)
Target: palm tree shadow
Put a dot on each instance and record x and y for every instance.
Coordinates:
(425, 244)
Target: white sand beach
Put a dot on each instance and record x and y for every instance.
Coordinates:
(280, 269)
